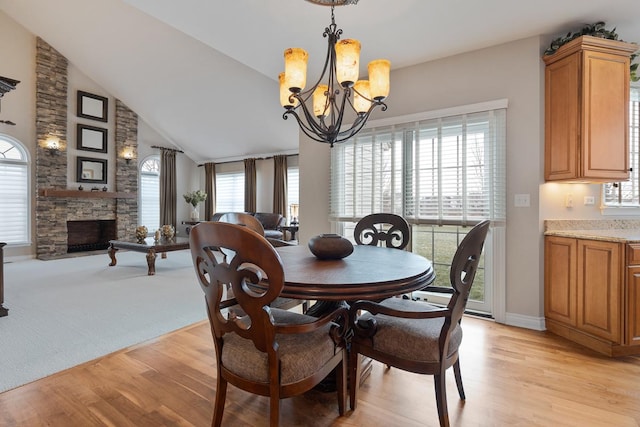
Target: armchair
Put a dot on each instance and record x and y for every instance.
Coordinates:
(415, 336)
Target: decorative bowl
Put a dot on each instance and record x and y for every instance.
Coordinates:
(330, 246)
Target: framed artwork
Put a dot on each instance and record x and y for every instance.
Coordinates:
(92, 106)
(91, 170)
(91, 138)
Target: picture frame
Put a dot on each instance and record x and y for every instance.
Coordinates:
(91, 106)
(91, 170)
(91, 138)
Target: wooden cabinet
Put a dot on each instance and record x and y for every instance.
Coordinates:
(586, 111)
(592, 296)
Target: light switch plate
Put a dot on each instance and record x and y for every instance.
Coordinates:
(522, 201)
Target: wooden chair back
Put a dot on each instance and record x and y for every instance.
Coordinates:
(391, 230)
(245, 219)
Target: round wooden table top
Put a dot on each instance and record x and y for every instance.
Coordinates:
(370, 272)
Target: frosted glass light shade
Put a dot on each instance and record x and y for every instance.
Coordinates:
(295, 68)
(379, 78)
(361, 96)
(320, 101)
(347, 61)
(285, 93)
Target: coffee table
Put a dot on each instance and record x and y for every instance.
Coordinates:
(149, 246)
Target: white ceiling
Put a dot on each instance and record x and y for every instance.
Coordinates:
(203, 73)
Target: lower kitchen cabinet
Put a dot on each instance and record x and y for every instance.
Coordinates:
(592, 293)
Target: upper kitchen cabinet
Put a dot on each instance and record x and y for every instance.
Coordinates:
(587, 111)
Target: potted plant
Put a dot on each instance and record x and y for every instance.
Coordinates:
(193, 198)
(595, 30)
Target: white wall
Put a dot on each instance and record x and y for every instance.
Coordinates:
(513, 71)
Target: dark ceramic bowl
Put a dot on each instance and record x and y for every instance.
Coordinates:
(330, 246)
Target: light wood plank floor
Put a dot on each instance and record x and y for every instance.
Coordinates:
(512, 377)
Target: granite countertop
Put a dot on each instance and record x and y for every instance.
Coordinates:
(619, 235)
(623, 231)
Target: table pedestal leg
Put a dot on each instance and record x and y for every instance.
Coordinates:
(151, 262)
(112, 255)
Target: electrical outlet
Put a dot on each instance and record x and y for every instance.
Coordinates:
(568, 200)
(589, 200)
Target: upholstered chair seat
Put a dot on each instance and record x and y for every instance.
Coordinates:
(410, 339)
(302, 355)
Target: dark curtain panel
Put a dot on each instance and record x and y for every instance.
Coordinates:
(210, 189)
(280, 185)
(249, 185)
(168, 190)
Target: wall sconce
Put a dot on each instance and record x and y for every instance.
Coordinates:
(128, 155)
(52, 145)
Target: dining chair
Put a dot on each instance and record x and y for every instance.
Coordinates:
(391, 230)
(415, 336)
(262, 350)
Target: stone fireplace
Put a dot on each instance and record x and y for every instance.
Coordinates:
(57, 206)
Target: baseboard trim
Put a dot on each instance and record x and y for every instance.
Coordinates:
(522, 321)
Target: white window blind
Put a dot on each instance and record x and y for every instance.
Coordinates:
(627, 193)
(293, 185)
(443, 171)
(14, 188)
(150, 193)
(230, 192)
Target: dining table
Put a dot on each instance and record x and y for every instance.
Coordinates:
(370, 273)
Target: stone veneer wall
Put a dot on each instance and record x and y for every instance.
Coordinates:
(52, 213)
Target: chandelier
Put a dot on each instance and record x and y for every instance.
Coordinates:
(320, 109)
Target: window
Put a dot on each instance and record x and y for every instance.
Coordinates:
(293, 186)
(230, 192)
(150, 193)
(442, 174)
(627, 194)
(14, 187)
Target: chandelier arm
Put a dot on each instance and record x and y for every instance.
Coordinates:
(318, 128)
(307, 131)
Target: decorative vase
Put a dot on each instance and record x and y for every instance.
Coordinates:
(195, 214)
(168, 231)
(141, 233)
(330, 246)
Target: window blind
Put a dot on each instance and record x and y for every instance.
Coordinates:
(14, 188)
(14, 207)
(293, 185)
(448, 170)
(230, 192)
(150, 193)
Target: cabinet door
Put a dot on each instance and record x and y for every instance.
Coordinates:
(560, 254)
(632, 312)
(605, 124)
(562, 118)
(599, 284)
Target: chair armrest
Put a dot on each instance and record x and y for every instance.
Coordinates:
(376, 308)
(339, 317)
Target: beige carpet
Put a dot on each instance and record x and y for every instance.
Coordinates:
(69, 311)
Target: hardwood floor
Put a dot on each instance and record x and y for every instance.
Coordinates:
(512, 377)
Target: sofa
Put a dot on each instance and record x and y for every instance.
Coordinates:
(271, 222)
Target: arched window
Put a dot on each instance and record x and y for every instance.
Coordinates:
(14, 188)
(150, 193)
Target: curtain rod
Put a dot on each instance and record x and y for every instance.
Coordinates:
(168, 149)
(241, 160)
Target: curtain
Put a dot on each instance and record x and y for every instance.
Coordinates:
(168, 190)
(280, 185)
(250, 185)
(210, 189)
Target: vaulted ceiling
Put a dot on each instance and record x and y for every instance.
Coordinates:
(203, 73)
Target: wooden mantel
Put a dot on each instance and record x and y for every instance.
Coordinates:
(54, 192)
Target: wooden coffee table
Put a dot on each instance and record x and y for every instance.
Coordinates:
(150, 246)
